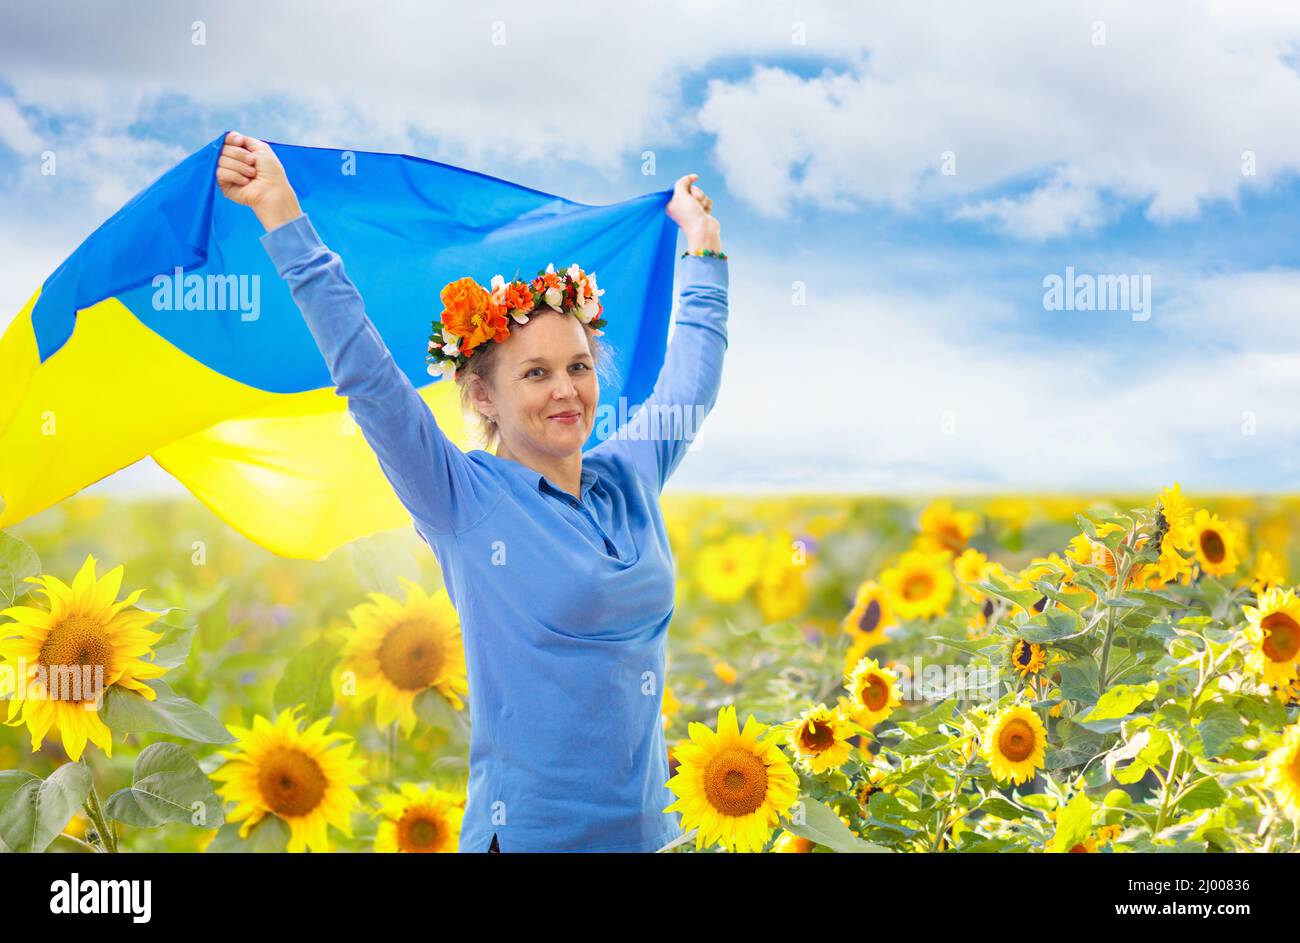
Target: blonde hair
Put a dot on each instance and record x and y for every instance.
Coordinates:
(484, 364)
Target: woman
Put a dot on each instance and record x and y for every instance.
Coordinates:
(557, 561)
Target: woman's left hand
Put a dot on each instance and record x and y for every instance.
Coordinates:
(690, 208)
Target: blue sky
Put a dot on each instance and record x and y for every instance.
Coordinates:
(923, 359)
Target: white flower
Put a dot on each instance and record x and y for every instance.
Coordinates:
(554, 297)
(433, 346)
(445, 368)
(450, 343)
(589, 311)
(574, 272)
(519, 316)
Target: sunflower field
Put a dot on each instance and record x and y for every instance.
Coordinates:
(1105, 674)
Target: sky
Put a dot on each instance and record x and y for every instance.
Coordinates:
(896, 183)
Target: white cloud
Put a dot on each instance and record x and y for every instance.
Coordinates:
(1160, 114)
(865, 409)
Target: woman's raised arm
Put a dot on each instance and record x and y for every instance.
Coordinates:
(658, 437)
(432, 477)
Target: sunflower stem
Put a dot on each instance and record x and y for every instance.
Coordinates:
(95, 812)
(1167, 789)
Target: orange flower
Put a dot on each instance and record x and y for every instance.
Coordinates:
(470, 315)
(549, 280)
(518, 297)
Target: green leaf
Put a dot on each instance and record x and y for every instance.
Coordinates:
(1146, 749)
(1205, 795)
(167, 786)
(307, 679)
(1079, 681)
(1050, 625)
(127, 712)
(1077, 746)
(17, 562)
(1120, 701)
(34, 811)
(926, 743)
(821, 825)
(271, 835)
(1220, 726)
(1002, 808)
(174, 647)
(1025, 599)
(1073, 823)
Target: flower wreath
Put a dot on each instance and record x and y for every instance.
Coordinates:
(473, 316)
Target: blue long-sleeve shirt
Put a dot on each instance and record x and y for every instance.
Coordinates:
(564, 604)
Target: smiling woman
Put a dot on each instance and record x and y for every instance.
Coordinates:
(504, 373)
(557, 561)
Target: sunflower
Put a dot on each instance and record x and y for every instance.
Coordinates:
(970, 568)
(1014, 744)
(416, 820)
(732, 785)
(726, 570)
(977, 626)
(874, 692)
(1269, 572)
(870, 784)
(1174, 528)
(942, 528)
(1283, 776)
(86, 642)
(1083, 549)
(921, 585)
(1087, 846)
(398, 651)
(1028, 658)
(870, 615)
(1274, 630)
(1215, 544)
(1107, 834)
(821, 738)
(305, 777)
(782, 586)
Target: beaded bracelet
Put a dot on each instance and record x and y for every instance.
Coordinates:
(704, 253)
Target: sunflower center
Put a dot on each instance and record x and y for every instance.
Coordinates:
(1016, 741)
(418, 832)
(410, 656)
(870, 617)
(76, 642)
(1212, 546)
(817, 736)
(291, 782)
(735, 782)
(918, 586)
(875, 694)
(1079, 849)
(1024, 655)
(1283, 638)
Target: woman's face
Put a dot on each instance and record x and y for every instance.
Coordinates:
(545, 389)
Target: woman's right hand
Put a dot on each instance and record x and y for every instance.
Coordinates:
(250, 174)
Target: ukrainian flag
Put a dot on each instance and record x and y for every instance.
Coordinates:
(168, 333)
